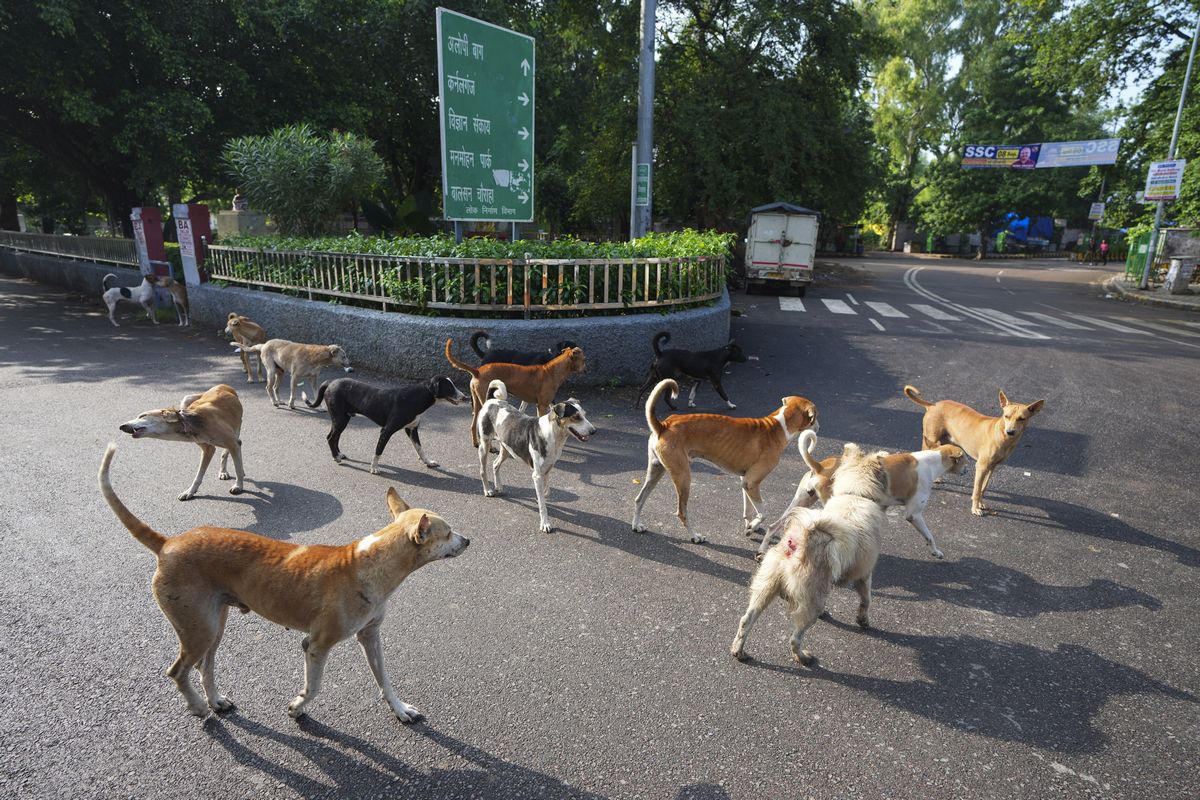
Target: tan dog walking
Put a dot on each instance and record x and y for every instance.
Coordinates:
(988, 440)
(245, 332)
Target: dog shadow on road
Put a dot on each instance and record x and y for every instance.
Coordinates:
(979, 583)
(421, 476)
(358, 768)
(281, 509)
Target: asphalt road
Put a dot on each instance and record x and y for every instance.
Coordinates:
(1052, 654)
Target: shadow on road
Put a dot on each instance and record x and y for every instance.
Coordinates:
(281, 509)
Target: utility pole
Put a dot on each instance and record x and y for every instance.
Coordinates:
(643, 172)
(1158, 212)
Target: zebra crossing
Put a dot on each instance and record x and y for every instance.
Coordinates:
(1036, 324)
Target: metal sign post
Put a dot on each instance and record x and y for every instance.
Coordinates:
(486, 82)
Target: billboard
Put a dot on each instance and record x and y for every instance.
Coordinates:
(1163, 180)
(1089, 153)
(1096, 212)
(1004, 156)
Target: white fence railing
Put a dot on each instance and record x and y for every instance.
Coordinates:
(83, 248)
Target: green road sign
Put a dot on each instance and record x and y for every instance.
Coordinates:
(642, 185)
(485, 77)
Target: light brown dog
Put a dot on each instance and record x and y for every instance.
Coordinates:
(210, 420)
(303, 361)
(535, 384)
(988, 440)
(246, 332)
(749, 448)
(909, 481)
(330, 592)
(179, 297)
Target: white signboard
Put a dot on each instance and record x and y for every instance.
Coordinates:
(1094, 152)
(1097, 211)
(1163, 180)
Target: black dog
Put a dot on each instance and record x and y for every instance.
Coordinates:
(703, 365)
(527, 358)
(392, 409)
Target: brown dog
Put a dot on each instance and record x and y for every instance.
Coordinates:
(178, 292)
(303, 361)
(210, 420)
(747, 447)
(988, 440)
(246, 332)
(328, 591)
(535, 384)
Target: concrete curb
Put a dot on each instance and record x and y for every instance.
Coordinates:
(1117, 286)
(617, 347)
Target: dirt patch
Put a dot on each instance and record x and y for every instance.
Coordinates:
(836, 273)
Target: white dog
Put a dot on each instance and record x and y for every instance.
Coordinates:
(538, 441)
(837, 545)
(142, 294)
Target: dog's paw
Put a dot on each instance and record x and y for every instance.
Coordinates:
(863, 622)
(223, 704)
(937, 553)
(691, 405)
(432, 464)
(639, 527)
(295, 708)
(236, 490)
(759, 556)
(731, 405)
(697, 539)
(805, 657)
(406, 713)
(738, 653)
(223, 475)
(373, 470)
(198, 710)
(978, 511)
(186, 495)
(545, 527)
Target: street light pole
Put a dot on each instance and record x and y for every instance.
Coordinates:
(645, 132)
(1158, 212)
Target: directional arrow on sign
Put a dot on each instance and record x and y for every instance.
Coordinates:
(524, 165)
(524, 198)
(524, 98)
(523, 132)
(525, 66)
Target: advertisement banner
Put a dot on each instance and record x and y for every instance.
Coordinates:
(1163, 180)
(1002, 156)
(1093, 152)
(1097, 211)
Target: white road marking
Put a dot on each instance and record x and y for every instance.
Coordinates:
(884, 310)
(1002, 317)
(1100, 323)
(850, 297)
(791, 304)
(1156, 327)
(875, 322)
(936, 313)
(838, 306)
(1062, 323)
(910, 280)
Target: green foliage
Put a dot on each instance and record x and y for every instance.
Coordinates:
(303, 180)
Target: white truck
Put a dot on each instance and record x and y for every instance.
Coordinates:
(781, 246)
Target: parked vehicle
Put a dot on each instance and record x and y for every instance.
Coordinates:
(781, 246)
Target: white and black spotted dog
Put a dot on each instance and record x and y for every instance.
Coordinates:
(538, 441)
(142, 294)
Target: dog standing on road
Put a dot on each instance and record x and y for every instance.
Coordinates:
(391, 408)
(210, 420)
(303, 361)
(749, 448)
(503, 355)
(246, 332)
(910, 479)
(330, 592)
(988, 440)
(699, 366)
(836, 546)
(142, 294)
(538, 441)
(179, 298)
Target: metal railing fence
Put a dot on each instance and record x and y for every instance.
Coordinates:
(83, 248)
(475, 284)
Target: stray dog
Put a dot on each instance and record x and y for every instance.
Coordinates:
(749, 448)
(702, 365)
(246, 332)
(210, 420)
(142, 294)
(537, 383)
(328, 591)
(837, 545)
(178, 298)
(391, 409)
(528, 358)
(538, 441)
(303, 361)
(910, 479)
(988, 440)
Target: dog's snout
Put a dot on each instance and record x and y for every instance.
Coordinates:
(466, 542)
(349, 369)
(126, 428)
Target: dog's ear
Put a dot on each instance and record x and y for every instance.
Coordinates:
(1003, 399)
(1035, 406)
(395, 504)
(334, 349)
(420, 533)
(563, 410)
(851, 450)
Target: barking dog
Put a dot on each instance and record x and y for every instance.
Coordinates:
(246, 332)
(210, 420)
(330, 592)
(538, 441)
(536, 384)
(391, 409)
(303, 361)
(988, 440)
(837, 545)
(747, 447)
(702, 365)
(910, 478)
(142, 294)
(501, 355)
(178, 297)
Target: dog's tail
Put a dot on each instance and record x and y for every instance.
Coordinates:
(320, 396)
(806, 444)
(660, 338)
(151, 538)
(476, 338)
(912, 393)
(246, 348)
(104, 281)
(497, 390)
(652, 401)
(458, 364)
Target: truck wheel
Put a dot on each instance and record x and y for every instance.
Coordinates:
(800, 290)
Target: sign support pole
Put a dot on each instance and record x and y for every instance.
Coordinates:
(645, 139)
(1158, 212)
